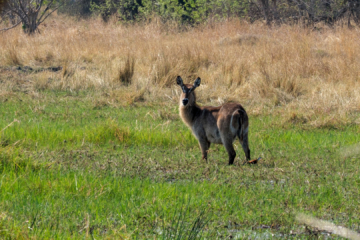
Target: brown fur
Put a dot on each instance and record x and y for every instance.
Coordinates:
(219, 125)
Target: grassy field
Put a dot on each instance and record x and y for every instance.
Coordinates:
(73, 169)
(92, 146)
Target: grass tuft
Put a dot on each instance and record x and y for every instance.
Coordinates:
(12, 57)
(126, 72)
(184, 225)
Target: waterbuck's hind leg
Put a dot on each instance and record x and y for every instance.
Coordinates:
(243, 137)
(228, 144)
(231, 151)
(243, 133)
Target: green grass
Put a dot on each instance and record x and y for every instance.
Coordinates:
(71, 169)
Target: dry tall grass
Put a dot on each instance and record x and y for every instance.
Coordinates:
(289, 69)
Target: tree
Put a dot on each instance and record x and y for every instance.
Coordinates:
(329, 11)
(308, 11)
(29, 13)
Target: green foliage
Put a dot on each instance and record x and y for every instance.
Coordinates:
(77, 8)
(182, 11)
(200, 11)
(127, 10)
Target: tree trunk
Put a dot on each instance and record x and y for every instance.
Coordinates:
(266, 10)
(30, 25)
(354, 6)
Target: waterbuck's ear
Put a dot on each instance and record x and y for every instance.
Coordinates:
(197, 82)
(179, 81)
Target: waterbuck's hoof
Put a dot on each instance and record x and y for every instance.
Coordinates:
(254, 161)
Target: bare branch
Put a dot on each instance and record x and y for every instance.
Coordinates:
(23, 10)
(19, 14)
(50, 13)
(5, 29)
(39, 5)
(47, 8)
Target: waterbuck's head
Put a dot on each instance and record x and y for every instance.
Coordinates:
(188, 97)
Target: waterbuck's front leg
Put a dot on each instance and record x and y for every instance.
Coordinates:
(204, 146)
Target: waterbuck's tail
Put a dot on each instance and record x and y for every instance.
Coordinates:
(243, 132)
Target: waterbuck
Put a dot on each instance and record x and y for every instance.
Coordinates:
(219, 125)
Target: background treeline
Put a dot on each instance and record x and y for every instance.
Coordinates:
(31, 13)
(199, 11)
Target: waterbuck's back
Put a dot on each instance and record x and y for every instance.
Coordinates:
(221, 122)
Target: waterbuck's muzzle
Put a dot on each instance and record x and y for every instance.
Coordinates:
(185, 101)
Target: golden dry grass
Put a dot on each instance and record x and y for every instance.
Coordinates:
(295, 71)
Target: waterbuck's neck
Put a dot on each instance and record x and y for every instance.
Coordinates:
(190, 113)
